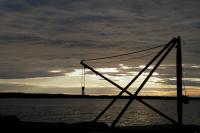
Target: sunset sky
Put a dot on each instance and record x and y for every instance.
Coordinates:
(43, 41)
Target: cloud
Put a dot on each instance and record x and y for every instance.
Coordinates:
(187, 82)
(21, 74)
(41, 35)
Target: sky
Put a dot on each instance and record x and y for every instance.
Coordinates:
(43, 41)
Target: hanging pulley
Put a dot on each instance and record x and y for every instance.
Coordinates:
(83, 80)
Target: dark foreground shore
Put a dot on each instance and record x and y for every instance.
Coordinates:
(12, 123)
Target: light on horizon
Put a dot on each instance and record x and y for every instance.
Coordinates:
(55, 71)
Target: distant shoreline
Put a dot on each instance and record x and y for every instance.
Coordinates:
(44, 95)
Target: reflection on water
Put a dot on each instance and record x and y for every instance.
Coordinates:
(76, 110)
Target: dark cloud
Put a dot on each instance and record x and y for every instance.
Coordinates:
(21, 74)
(14, 6)
(186, 82)
(39, 35)
(13, 38)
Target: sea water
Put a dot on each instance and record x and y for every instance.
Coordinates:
(80, 110)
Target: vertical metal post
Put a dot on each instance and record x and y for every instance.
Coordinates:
(179, 81)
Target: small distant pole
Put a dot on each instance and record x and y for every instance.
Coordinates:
(179, 81)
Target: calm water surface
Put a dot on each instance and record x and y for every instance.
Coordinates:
(76, 110)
